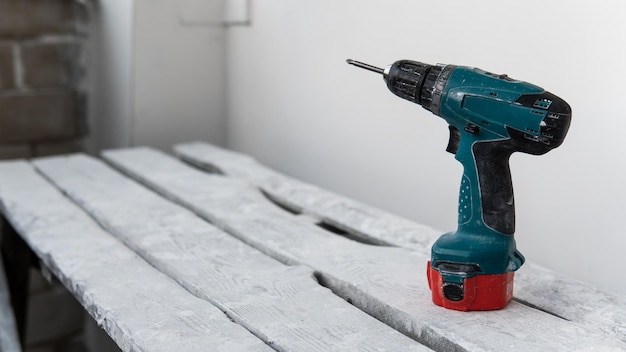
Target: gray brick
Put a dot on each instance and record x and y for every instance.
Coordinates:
(52, 315)
(67, 344)
(15, 151)
(96, 338)
(74, 343)
(49, 65)
(7, 80)
(31, 18)
(37, 283)
(41, 348)
(38, 117)
(57, 147)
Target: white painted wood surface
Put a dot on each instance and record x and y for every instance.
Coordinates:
(537, 286)
(284, 306)
(139, 307)
(387, 282)
(9, 341)
(362, 221)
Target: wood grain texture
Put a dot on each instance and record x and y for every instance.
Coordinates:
(386, 282)
(362, 221)
(9, 341)
(139, 307)
(284, 306)
(537, 286)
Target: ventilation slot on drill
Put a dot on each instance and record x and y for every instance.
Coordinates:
(453, 292)
(542, 103)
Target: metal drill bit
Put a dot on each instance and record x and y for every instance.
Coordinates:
(366, 66)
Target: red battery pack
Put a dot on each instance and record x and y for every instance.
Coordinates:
(479, 292)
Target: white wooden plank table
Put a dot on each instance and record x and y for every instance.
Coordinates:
(282, 305)
(169, 257)
(138, 306)
(536, 286)
(386, 282)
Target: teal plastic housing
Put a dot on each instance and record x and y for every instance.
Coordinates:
(482, 107)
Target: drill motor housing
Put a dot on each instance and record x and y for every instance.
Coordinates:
(490, 116)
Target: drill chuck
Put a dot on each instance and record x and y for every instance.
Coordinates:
(414, 81)
(406, 79)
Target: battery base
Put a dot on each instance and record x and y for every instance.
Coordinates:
(479, 292)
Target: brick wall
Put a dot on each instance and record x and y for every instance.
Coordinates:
(42, 77)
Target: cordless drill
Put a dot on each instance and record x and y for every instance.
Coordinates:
(490, 116)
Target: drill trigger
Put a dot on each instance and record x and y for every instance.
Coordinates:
(454, 140)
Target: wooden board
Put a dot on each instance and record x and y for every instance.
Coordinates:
(387, 282)
(364, 222)
(8, 332)
(139, 307)
(536, 286)
(282, 305)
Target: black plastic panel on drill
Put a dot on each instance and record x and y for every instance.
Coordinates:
(496, 186)
(554, 126)
(406, 78)
(492, 158)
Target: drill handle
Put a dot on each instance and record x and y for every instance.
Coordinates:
(496, 186)
(486, 209)
(486, 196)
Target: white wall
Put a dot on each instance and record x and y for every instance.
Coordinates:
(296, 105)
(110, 74)
(179, 72)
(158, 73)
